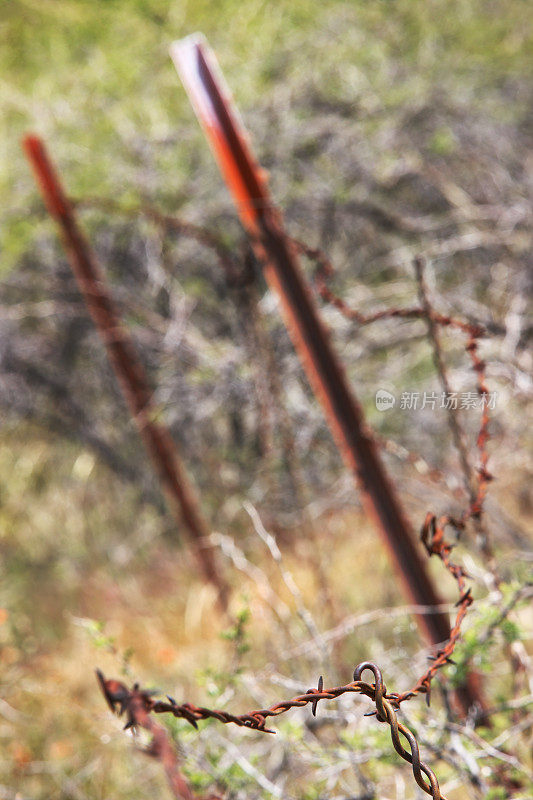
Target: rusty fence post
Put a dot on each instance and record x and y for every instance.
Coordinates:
(126, 364)
(213, 105)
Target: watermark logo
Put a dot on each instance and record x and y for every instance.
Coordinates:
(384, 400)
(418, 401)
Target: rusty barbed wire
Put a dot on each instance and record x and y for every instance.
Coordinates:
(325, 271)
(433, 528)
(137, 704)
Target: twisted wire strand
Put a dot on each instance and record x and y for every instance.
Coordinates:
(137, 704)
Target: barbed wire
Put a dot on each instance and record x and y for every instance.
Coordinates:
(433, 528)
(137, 704)
(325, 271)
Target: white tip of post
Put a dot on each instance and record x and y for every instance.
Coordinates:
(184, 48)
(188, 54)
(185, 55)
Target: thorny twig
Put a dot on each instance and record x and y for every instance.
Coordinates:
(138, 704)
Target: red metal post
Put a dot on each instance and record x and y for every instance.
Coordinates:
(216, 112)
(125, 362)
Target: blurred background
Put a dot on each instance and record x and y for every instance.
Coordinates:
(389, 130)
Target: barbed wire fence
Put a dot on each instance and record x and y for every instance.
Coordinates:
(138, 704)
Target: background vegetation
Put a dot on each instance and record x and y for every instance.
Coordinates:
(389, 129)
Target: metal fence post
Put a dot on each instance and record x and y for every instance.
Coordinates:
(212, 102)
(126, 364)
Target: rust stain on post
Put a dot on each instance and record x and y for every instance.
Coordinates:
(216, 112)
(125, 362)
